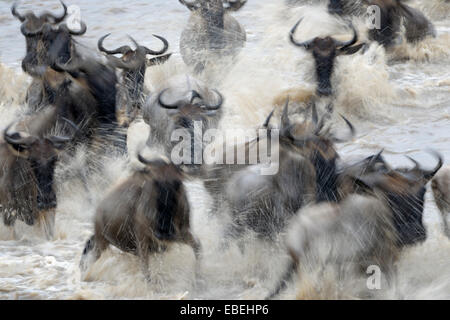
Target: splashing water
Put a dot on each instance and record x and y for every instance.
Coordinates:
(396, 104)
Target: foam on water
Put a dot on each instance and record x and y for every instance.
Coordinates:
(402, 106)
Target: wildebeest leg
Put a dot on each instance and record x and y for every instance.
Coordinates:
(92, 251)
(47, 223)
(287, 276)
(143, 254)
(9, 217)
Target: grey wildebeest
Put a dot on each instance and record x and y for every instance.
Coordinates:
(441, 191)
(366, 228)
(28, 161)
(183, 105)
(306, 174)
(145, 214)
(40, 35)
(133, 63)
(211, 32)
(392, 14)
(324, 51)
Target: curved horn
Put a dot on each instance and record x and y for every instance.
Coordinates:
(350, 136)
(195, 94)
(216, 106)
(122, 49)
(285, 123)
(163, 50)
(15, 13)
(82, 31)
(305, 44)
(167, 106)
(345, 45)
(159, 162)
(19, 142)
(429, 174)
(56, 18)
(190, 5)
(266, 123)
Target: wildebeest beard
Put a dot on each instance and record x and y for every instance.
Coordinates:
(166, 205)
(44, 175)
(408, 214)
(324, 70)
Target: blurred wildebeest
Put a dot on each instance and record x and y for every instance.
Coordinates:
(324, 51)
(211, 32)
(183, 103)
(146, 213)
(28, 161)
(33, 23)
(364, 229)
(306, 174)
(441, 191)
(133, 63)
(51, 45)
(392, 14)
(345, 7)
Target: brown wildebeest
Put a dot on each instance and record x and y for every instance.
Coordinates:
(133, 63)
(145, 214)
(27, 177)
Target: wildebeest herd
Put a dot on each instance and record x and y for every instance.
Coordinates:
(371, 208)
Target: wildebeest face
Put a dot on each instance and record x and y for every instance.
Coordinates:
(311, 140)
(324, 51)
(404, 190)
(49, 46)
(335, 7)
(41, 155)
(32, 28)
(185, 114)
(133, 64)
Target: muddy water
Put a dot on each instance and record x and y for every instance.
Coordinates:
(400, 105)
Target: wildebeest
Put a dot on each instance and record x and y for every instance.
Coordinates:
(392, 14)
(28, 161)
(211, 32)
(306, 174)
(146, 213)
(32, 24)
(324, 51)
(185, 104)
(345, 7)
(133, 64)
(45, 46)
(363, 229)
(441, 191)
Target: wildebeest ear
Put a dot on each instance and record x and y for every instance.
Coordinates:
(158, 60)
(362, 184)
(352, 50)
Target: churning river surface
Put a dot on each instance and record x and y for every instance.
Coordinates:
(399, 101)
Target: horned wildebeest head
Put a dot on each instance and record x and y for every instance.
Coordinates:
(46, 42)
(133, 64)
(417, 26)
(211, 30)
(324, 51)
(185, 110)
(146, 213)
(34, 25)
(27, 179)
(316, 143)
(404, 191)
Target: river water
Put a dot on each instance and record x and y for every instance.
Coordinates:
(399, 104)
